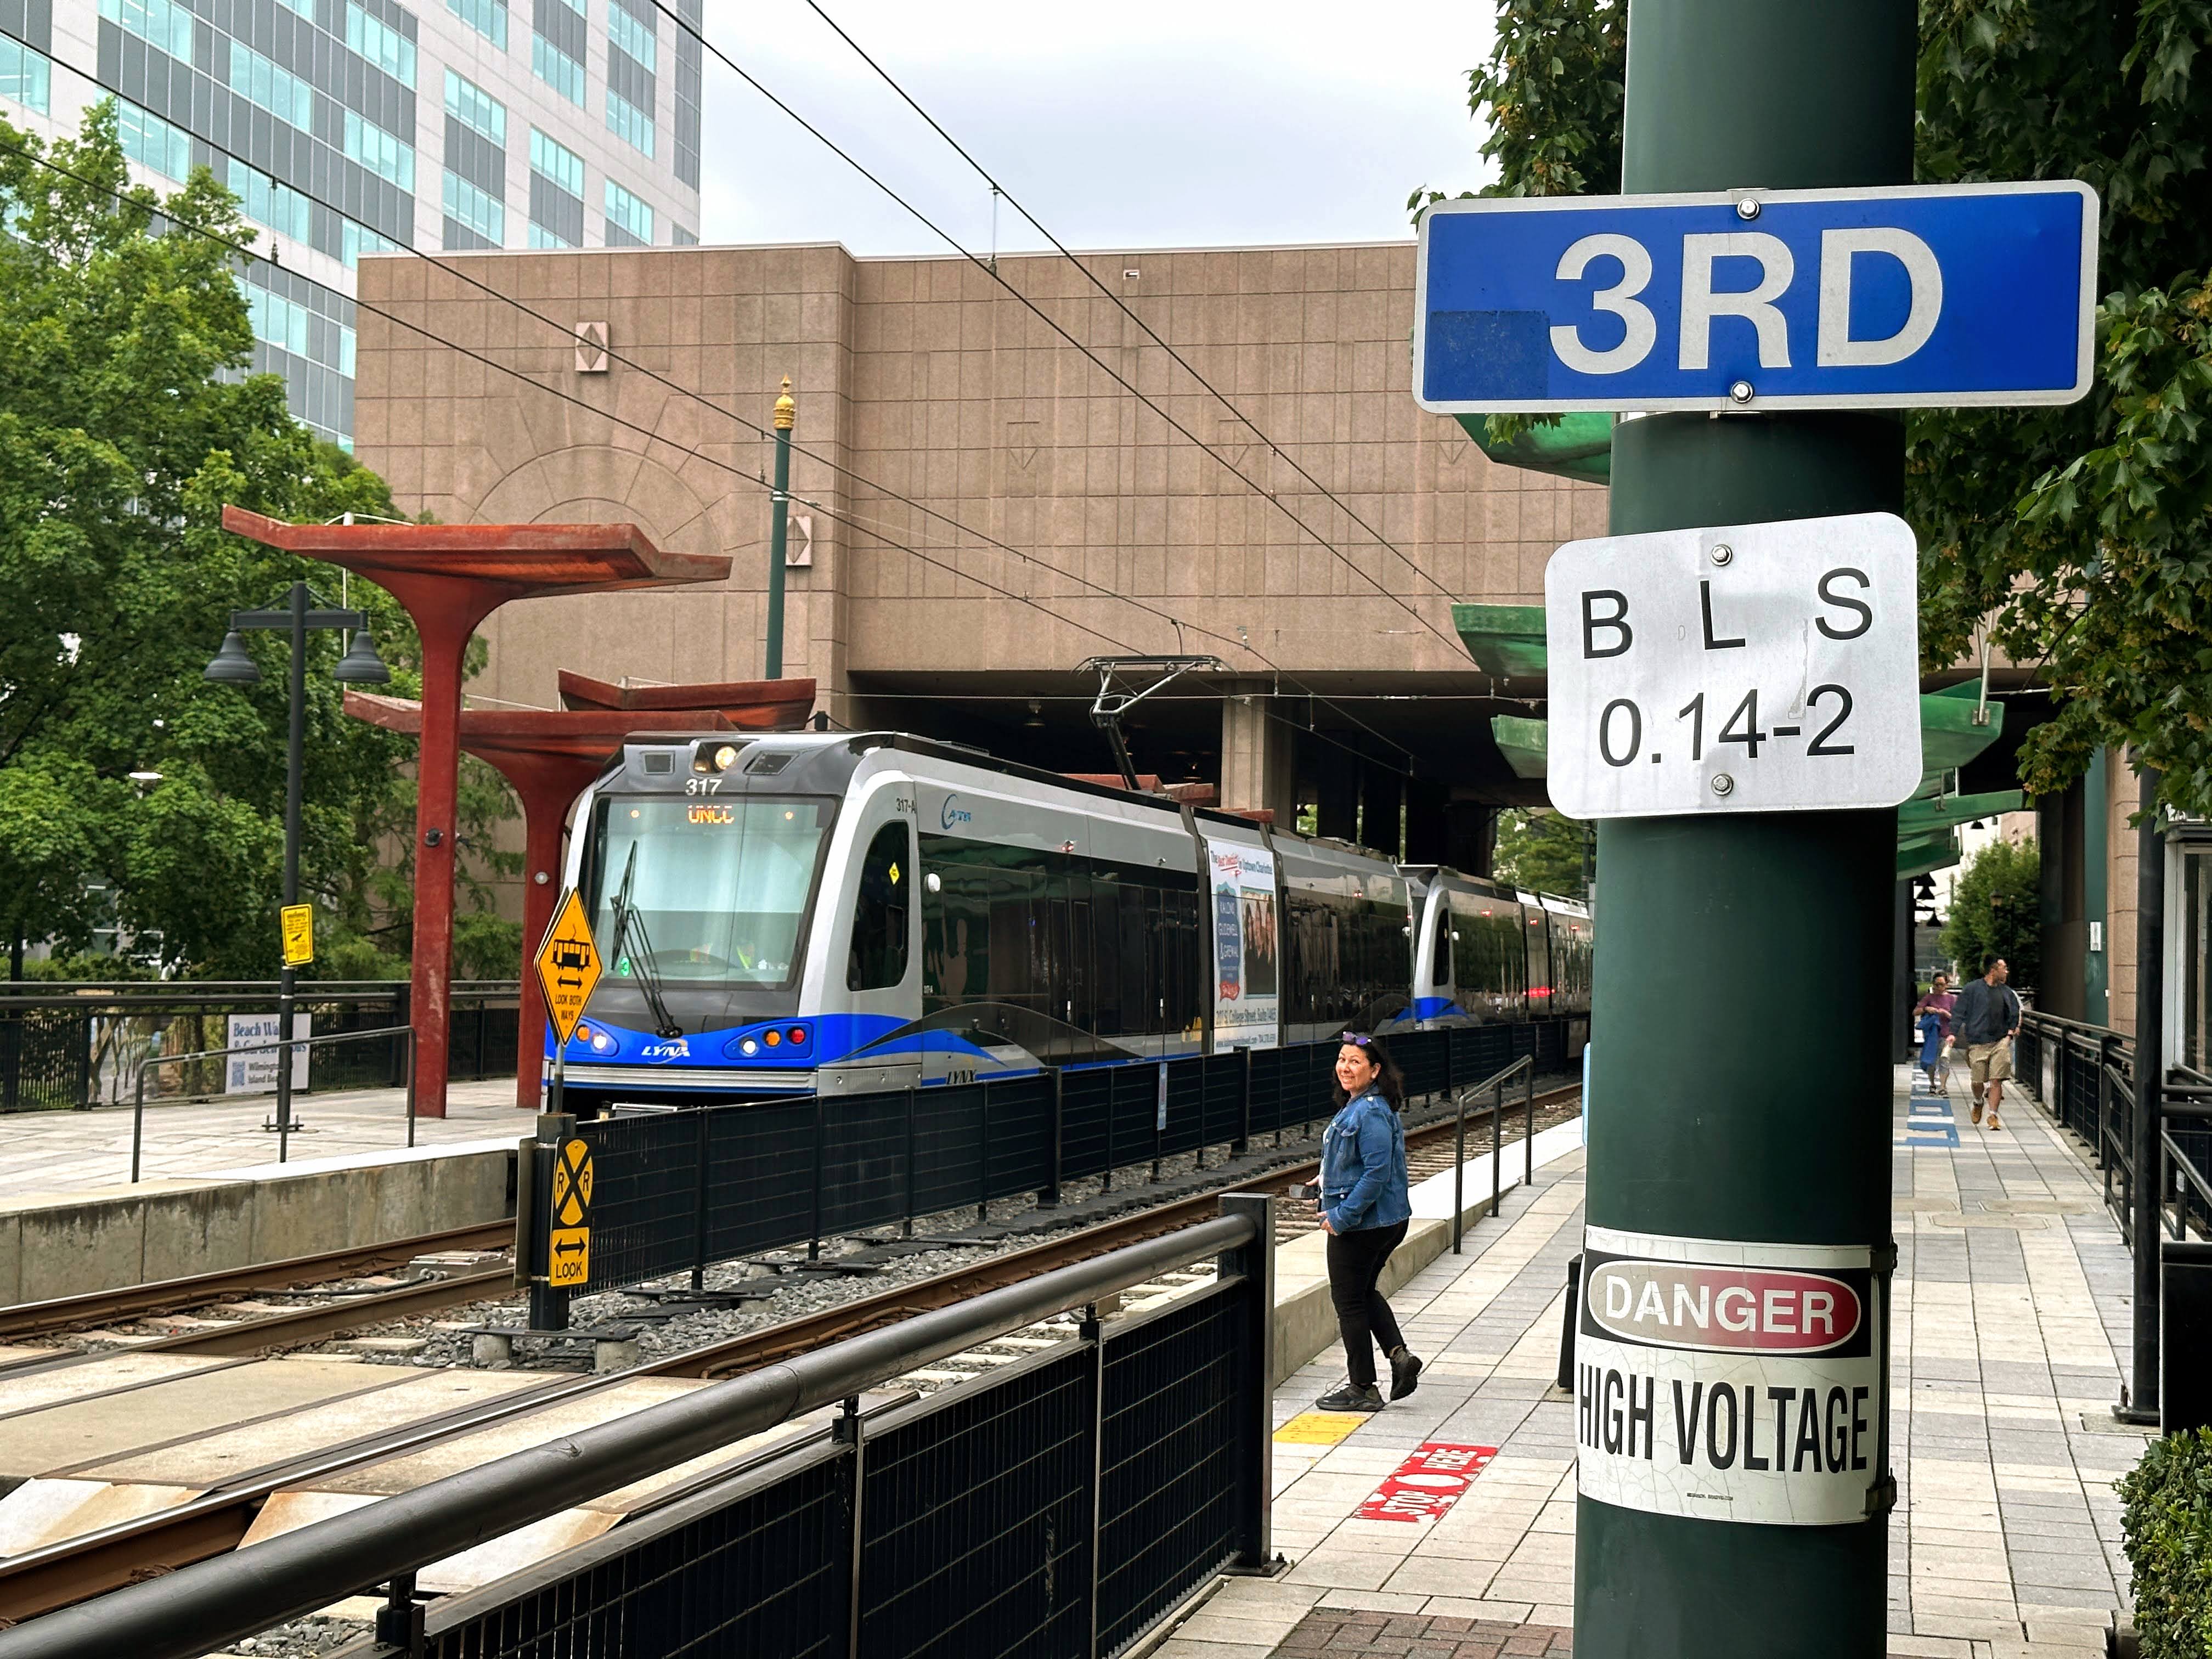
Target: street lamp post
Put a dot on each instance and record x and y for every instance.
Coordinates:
(787, 417)
(360, 666)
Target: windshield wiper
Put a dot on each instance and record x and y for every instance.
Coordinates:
(631, 935)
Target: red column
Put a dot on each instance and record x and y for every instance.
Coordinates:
(445, 636)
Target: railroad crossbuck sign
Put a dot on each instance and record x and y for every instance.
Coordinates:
(1943, 295)
(1747, 668)
(568, 1249)
(569, 966)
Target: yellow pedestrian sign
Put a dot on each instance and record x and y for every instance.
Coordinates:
(567, 967)
(298, 924)
(569, 1242)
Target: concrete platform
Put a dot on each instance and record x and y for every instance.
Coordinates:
(44, 1152)
(2011, 1321)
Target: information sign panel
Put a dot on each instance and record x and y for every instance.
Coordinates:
(568, 966)
(1940, 294)
(299, 928)
(1747, 668)
(569, 1242)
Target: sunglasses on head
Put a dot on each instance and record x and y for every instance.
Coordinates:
(1355, 1039)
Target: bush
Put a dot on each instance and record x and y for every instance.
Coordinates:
(2167, 1527)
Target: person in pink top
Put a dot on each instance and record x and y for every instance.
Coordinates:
(1931, 1017)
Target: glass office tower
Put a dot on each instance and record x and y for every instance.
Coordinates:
(349, 126)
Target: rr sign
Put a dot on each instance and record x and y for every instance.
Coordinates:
(1947, 295)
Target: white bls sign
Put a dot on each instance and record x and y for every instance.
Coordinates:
(1730, 1382)
(1751, 668)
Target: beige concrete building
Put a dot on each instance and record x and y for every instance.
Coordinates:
(979, 506)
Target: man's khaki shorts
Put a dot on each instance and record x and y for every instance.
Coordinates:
(1988, 1063)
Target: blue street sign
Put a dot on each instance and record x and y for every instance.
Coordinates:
(1942, 295)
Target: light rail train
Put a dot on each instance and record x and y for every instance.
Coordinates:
(850, 912)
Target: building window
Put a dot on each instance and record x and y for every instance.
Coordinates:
(354, 240)
(557, 193)
(557, 69)
(381, 44)
(26, 76)
(153, 142)
(690, 62)
(305, 8)
(633, 34)
(557, 162)
(541, 237)
(487, 17)
(280, 207)
(629, 123)
(379, 151)
(478, 210)
(277, 90)
(629, 220)
(679, 237)
(157, 22)
(470, 104)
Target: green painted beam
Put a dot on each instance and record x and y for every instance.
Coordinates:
(1573, 446)
(1525, 743)
(1947, 812)
(1504, 639)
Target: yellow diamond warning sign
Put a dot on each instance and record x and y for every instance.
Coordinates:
(568, 966)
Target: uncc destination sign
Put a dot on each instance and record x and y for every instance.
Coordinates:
(1946, 296)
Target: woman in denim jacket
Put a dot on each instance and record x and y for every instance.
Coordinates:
(1363, 1210)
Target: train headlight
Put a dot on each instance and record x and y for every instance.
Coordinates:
(726, 756)
(773, 1038)
(603, 1042)
(749, 1048)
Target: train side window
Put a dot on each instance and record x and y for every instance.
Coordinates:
(877, 958)
(1440, 951)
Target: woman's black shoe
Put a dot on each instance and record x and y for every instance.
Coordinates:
(1352, 1397)
(1405, 1374)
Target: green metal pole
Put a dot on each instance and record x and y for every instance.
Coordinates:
(787, 417)
(1743, 988)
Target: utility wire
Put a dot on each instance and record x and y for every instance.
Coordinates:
(568, 334)
(998, 190)
(1030, 305)
(248, 252)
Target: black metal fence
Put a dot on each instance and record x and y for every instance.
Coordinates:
(1055, 1507)
(71, 1046)
(2085, 1075)
(681, 1191)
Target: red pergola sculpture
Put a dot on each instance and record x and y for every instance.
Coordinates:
(549, 756)
(451, 577)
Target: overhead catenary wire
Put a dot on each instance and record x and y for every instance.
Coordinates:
(249, 253)
(1052, 323)
(998, 192)
(566, 333)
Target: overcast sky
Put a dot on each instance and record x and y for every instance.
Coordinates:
(1151, 123)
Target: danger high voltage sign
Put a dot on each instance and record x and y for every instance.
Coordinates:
(1730, 1382)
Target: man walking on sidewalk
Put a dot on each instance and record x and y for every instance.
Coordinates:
(1987, 1019)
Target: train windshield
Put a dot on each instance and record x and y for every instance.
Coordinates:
(719, 887)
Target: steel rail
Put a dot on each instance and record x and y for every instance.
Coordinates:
(96, 1308)
(185, 1613)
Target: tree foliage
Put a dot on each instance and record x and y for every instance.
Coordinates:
(1541, 851)
(2076, 537)
(127, 421)
(1995, 912)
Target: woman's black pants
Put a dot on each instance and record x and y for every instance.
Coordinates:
(1355, 1264)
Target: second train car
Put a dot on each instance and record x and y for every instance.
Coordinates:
(859, 911)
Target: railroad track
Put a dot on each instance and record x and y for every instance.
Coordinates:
(99, 1309)
(214, 1522)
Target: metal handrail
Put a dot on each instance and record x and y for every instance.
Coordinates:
(284, 1129)
(1496, 1085)
(213, 1603)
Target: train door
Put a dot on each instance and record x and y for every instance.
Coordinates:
(1535, 928)
(875, 936)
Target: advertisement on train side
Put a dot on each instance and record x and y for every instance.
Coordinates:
(1728, 1381)
(1247, 945)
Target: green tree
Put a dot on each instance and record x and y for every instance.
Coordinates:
(127, 421)
(2077, 539)
(1541, 851)
(1995, 913)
